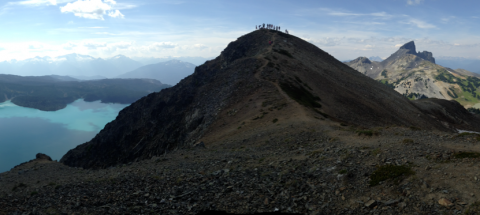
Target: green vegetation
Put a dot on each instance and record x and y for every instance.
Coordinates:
(49, 95)
(445, 76)
(407, 141)
(452, 93)
(462, 155)
(301, 95)
(33, 193)
(412, 96)
(403, 78)
(474, 110)
(469, 92)
(384, 73)
(343, 171)
(385, 81)
(366, 132)
(275, 120)
(389, 171)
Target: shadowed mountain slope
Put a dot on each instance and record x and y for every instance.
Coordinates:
(249, 86)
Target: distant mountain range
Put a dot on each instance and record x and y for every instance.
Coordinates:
(375, 58)
(416, 75)
(83, 66)
(197, 61)
(71, 64)
(170, 72)
(53, 92)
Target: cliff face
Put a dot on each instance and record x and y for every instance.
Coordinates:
(250, 84)
(427, 56)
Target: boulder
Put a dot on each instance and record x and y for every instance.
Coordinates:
(42, 156)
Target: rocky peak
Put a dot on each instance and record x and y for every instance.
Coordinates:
(410, 46)
(287, 75)
(363, 60)
(411, 49)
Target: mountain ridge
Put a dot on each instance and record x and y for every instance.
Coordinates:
(169, 72)
(251, 84)
(416, 75)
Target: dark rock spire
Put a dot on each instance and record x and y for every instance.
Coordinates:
(410, 46)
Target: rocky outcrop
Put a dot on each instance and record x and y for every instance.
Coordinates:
(42, 156)
(427, 56)
(410, 47)
(290, 79)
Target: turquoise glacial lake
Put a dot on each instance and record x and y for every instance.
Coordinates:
(24, 132)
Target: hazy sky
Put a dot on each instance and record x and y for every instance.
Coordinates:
(157, 28)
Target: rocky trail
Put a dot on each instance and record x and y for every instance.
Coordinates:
(300, 168)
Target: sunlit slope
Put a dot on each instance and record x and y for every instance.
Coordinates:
(415, 77)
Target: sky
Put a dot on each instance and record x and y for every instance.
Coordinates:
(346, 29)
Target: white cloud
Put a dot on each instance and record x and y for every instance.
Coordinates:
(121, 45)
(414, 2)
(116, 14)
(338, 13)
(96, 27)
(157, 46)
(326, 41)
(94, 45)
(35, 46)
(69, 46)
(419, 23)
(199, 46)
(36, 3)
(92, 9)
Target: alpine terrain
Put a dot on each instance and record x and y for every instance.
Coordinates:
(273, 124)
(415, 75)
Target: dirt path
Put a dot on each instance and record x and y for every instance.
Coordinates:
(303, 115)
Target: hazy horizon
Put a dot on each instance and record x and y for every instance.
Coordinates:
(158, 28)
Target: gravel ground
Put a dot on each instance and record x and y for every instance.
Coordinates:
(304, 172)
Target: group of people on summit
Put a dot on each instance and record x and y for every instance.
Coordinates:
(269, 26)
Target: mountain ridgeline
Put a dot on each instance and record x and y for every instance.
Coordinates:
(51, 93)
(170, 72)
(415, 75)
(249, 86)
